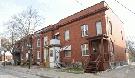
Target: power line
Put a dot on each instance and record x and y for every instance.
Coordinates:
(79, 2)
(125, 7)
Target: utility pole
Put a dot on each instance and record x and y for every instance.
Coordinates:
(29, 45)
(4, 58)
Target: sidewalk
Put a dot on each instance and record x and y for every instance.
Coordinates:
(49, 73)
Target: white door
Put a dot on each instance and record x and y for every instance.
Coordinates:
(54, 56)
(51, 57)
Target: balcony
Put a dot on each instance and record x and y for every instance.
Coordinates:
(54, 42)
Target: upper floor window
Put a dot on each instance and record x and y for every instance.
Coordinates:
(38, 42)
(99, 27)
(84, 30)
(84, 49)
(45, 40)
(110, 28)
(121, 34)
(66, 35)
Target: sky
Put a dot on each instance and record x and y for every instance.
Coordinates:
(54, 10)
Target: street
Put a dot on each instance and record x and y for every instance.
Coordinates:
(127, 71)
(120, 72)
(4, 74)
(7, 73)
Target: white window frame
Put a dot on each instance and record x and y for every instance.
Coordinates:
(38, 42)
(27, 55)
(67, 35)
(45, 40)
(110, 28)
(99, 27)
(84, 49)
(84, 30)
(38, 55)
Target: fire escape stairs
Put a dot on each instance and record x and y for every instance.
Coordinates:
(93, 65)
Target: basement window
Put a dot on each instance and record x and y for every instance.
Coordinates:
(67, 53)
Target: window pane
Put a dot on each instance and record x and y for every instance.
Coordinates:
(67, 35)
(110, 27)
(38, 42)
(84, 30)
(84, 49)
(99, 27)
(38, 55)
(45, 40)
(67, 53)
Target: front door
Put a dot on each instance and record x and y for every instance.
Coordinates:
(96, 46)
(46, 57)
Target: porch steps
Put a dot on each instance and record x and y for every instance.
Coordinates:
(91, 68)
(93, 65)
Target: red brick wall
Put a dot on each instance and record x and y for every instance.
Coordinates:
(119, 44)
(75, 35)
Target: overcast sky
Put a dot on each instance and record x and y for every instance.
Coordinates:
(54, 10)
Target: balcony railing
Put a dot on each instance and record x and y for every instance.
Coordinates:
(54, 42)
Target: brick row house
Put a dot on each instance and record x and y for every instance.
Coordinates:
(21, 50)
(93, 37)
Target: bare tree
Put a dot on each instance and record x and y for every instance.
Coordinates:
(5, 43)
(131, 49)
(23, 24)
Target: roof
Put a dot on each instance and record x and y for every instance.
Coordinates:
(102, 6)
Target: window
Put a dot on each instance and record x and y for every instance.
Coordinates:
(121, 35)
(66, 35)
(38, 54)
(67, 53)
(27, 55)
(110, 28)
(84, 30)
(99, 28)
(84, 49)
(45, 40)
(38, 42)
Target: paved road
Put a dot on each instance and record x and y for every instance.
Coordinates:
(123, 72)
(6, 73)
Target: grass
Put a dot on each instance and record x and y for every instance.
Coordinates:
(74, 70)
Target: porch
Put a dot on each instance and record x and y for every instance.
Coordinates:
(99, 54)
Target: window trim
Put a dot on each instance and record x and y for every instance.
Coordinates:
(45, 41)
(84, 28)
(38, 55)
(84, 49)
(96, 27)
(110, 26)
(38, 42)
(121, 35)
(65, 34)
